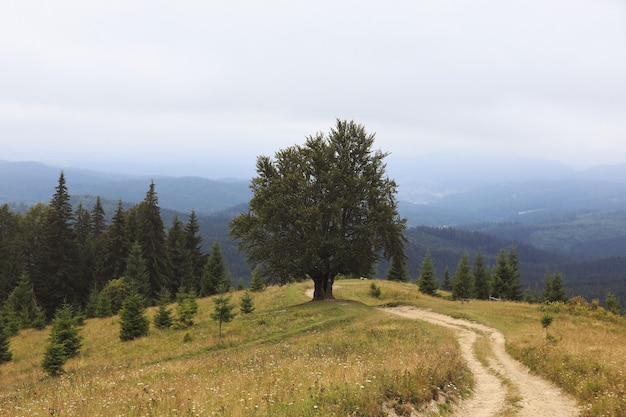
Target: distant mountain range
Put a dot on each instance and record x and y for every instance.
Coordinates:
(561, 219)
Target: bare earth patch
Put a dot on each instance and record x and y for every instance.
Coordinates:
(504, 387)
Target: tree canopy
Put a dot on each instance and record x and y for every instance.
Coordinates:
(321, 209)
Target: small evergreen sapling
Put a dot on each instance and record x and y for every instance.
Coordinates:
(258, 281)
(186, 309)
(246, 305)
(134, 322)
(64, 341)
(223, 312)
(163, 317)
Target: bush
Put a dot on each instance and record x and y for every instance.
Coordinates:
(375, 290)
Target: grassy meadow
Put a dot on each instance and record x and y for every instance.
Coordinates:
(292, 357)
(289, 357)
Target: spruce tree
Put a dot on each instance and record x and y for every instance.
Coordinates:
(133, 320)
(186, 308)
(506, 276)
(163, 317)
(98, 223)
(223, 312)
(136, 273)
(554, 290)
(427, 280)
(5, 352)
(447, 281)
(153, 241)
(65, 331)
(482, 277)
(215, 274)
(194, 248)
(398, 271)
(179, 257)
(54, 277)
(462, 285)
(54, 358)
(258, 281)
(246, 306)
(117, 247)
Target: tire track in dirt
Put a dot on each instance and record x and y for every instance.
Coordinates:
(534, 396)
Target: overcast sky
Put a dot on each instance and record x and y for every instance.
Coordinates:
(203, 87)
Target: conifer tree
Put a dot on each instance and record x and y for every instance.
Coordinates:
(5, 352)
(506, 276)
(246, 306)
(398, 271)
(118, 247)
(55, 277)
(223, 312)
(11, 250)
(186, 308)
(163, 317)
(134, 322)
(181, 267)
(136, 273)
(22, 307)
(462, 285)
(427, 280)
(482, 277)
(447, 281)
(612, 303)
(65, 331)
(98, 223)
(258, 281)
(215, 274)
(554, 290)
(84, 247)
(54, 358)
(153, 241)
(194, 248)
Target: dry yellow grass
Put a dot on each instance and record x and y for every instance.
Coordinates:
(290, 357)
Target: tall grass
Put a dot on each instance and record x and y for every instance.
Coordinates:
(290, 357)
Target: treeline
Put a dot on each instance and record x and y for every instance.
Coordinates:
(53, 254)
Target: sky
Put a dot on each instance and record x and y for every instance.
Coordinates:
(204, 87)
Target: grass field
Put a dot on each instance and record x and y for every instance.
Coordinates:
(292, 357)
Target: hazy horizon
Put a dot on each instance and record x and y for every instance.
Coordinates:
(203, 88)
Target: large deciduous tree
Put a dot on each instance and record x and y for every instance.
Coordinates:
(320, 209)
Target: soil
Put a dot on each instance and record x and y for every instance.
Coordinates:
(504, 387)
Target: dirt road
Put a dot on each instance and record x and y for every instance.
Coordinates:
(504, 387)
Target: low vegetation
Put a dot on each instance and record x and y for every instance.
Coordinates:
(294, 357)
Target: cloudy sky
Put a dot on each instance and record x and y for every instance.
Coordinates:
(203, 87)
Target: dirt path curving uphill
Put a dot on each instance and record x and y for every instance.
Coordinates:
(504, 387)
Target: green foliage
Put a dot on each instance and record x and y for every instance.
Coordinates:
(554, 289)
(151, 236)
(134, 322)
(258, 281)
(64, 341)
(186, 309)
(215, 274)
(163, 316)
(427, 280)
(482, 277)
(612, 303)
(398, 271)
(112, 296)
(447, 281)
(462, 283)
(223, 312)
(246, 306)
(21, 306)
(136, 272)
(321, 209)
(179, 257)
(506, 276)
(546, 321)
(54, 358)
(5, 352)
(375, 290)
(65, 331)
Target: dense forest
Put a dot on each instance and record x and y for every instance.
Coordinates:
(91, 252)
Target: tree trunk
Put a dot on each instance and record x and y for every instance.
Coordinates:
(323, 288)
